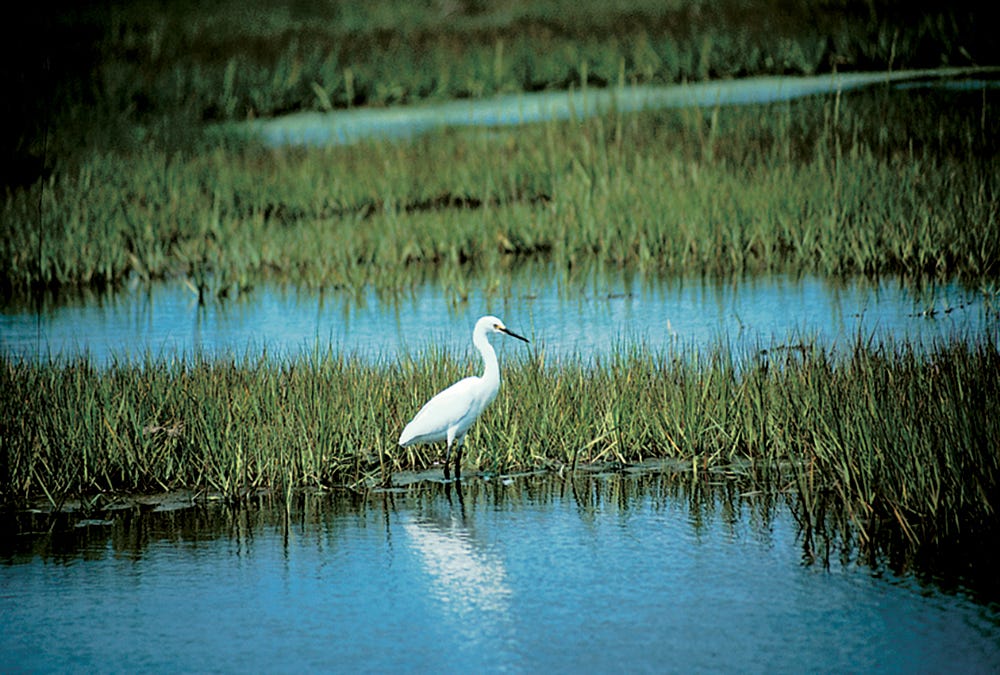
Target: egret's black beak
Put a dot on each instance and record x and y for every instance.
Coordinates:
(514, 335)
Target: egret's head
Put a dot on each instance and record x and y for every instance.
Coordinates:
(491, 324)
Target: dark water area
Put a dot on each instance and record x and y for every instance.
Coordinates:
(568, 319)
(598, 573)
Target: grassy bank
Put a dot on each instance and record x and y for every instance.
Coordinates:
(878, 182)
(896, 438)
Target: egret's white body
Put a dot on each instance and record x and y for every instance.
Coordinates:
(448, 416)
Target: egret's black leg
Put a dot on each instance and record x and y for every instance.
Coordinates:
(458, 463)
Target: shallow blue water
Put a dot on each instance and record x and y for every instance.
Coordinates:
(582, 318)
(609, 573)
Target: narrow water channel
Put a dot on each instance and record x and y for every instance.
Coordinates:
(581, 319)
(344, 127)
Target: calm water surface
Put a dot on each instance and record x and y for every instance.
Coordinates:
(526, 574)
(564, 318)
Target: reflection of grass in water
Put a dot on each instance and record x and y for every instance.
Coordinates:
(898, 440)
(869, 183)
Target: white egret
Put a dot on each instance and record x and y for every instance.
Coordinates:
(448, 416)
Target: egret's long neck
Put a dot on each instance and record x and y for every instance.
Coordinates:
(491, 369)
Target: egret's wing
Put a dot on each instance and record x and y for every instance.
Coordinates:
(442, 412)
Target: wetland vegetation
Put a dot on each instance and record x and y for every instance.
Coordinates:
(872, 183)
(117, 174)
(894, 437)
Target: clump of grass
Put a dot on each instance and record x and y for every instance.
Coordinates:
(222, 425)
(897, 438)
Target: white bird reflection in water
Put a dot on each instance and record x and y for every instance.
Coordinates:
(467, 581)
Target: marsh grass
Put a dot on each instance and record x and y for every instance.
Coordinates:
(895, 438)
(872, 183)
